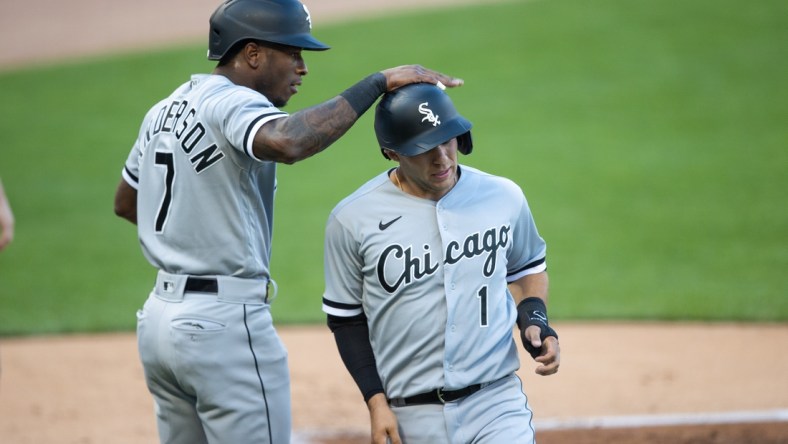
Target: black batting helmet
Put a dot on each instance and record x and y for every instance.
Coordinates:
(416, 118)
(286, 22)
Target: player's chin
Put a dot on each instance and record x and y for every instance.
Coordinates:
(284, 96)
(443, 186)
(289, 92)
(281, 101)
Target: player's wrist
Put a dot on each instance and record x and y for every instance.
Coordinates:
(533, 311)
(370, 393)
(375, 398)
(364, 93)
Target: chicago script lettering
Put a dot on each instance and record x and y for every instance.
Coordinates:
(413, 268)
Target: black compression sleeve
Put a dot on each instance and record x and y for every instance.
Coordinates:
(352, 338)
(364, 93)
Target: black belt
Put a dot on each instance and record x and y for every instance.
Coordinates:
(201, 285)
(437, 396)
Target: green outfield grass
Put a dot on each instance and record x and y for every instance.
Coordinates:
(651, 139)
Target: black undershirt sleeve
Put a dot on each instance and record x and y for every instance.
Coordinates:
(352, 337)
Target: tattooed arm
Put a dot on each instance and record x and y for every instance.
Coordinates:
(309, 131)
(304, 133)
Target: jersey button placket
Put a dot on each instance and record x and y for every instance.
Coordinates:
(441, 222)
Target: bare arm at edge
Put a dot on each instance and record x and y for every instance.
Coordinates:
(126, 202)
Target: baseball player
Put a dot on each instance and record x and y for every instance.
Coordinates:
(199, 183)
(428, 267)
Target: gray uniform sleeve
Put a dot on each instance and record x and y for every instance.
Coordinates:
(241, 114)
(342, 268)
(131, 170)
(528, 254)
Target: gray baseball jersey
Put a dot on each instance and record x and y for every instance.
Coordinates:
(212, 359)
(190, 142)
(432, 278)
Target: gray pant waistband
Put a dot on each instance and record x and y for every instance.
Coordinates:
(172, 287)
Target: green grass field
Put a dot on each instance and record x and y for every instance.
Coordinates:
(651, 139)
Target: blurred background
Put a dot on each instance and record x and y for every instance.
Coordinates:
(650, 140)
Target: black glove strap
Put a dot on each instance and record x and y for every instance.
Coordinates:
(532, 311)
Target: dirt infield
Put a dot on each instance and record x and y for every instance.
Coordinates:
(618, 383)
(90, 389)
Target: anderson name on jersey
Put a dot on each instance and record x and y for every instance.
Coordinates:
(204, 133)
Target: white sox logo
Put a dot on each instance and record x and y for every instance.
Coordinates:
(428, 115)
(538, 316)
(412, 268)
(308, 17)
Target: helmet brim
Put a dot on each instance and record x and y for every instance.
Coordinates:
(304, 41)
(459, 126)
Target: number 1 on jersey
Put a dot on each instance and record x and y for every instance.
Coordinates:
(482, 296)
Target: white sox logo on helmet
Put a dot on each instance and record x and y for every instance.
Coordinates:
(428, 114)
(308, 17)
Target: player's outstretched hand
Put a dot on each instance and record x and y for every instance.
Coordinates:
(549, 352)
(407, 74)
(382, 421)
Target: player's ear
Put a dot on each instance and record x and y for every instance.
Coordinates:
(391, 154)
(252, 53)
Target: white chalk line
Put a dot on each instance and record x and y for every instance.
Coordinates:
(608, 422)
(656, 420)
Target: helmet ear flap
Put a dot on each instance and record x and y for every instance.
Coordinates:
(465, 143)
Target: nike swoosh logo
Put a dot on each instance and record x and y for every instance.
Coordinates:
(383, 226)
